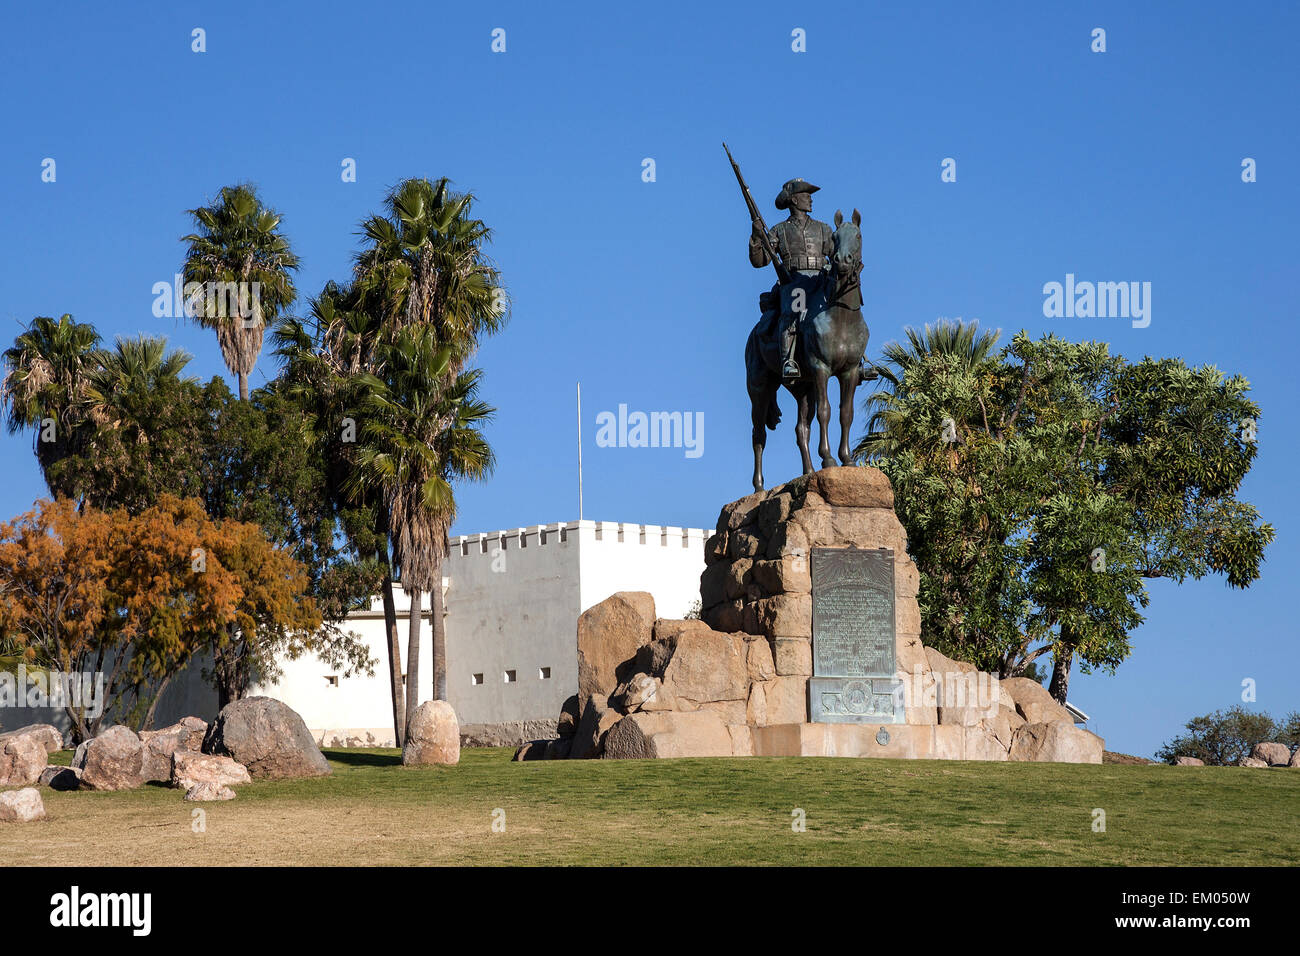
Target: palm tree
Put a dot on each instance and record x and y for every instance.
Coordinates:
(422, 432)
(424, 272)
(323, 365)
(961, 342)
(237, 248)
(44, 385)
(425, 264)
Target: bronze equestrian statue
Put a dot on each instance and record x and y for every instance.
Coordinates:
(811, 328)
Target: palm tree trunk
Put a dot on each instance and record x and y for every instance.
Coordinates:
(394, 655)
(439, 635)
(243, 386)
(413, 658)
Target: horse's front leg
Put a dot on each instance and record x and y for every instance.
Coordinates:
(758, 415)
(848, 388)
(802, 424)
(824, 418)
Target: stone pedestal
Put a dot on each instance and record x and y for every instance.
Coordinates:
(735, 683)
(758, 577)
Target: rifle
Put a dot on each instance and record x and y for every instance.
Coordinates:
(782, 273)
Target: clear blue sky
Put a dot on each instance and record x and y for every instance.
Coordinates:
(1116, 166)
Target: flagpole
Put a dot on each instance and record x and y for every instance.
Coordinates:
(579, 451)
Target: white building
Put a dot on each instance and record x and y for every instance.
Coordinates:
(512, 601)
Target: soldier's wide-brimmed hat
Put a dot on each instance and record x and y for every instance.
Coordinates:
(790, 188)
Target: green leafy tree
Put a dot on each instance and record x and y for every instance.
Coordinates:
(244, 265)
(260, 465)
(1223, 737)
(1040, 486)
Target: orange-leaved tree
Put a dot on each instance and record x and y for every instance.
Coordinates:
(134, 598)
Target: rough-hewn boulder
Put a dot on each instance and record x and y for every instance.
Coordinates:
(1001, 728)
(532, 750)
(22, 758)
(113, 760)
(1251, 762)
(853, 487)
(781, 700)
(759, 660)
(609, 635)
(653, 658)
(1033, 701)
(1059, 741)
(61, 778)
(1188, 762)
(21, 806)
(672, 734)
(188, 731)
(47, 734)
(159, 745)
(638, 691)
(964, 696)
(203, 792)
(189, 769)
(433, 737)
(1295, 760)
(569, 714)
(1274, 754)
(268, 738)
(706, 666)
(597, 718)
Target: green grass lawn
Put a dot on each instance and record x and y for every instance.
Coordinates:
(707, 811)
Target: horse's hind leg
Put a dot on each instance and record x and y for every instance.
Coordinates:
(824, 419)
(802, 425)
(848, 387)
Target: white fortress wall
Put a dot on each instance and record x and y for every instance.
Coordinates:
(513, 600)
(355, 710)
(664, 560)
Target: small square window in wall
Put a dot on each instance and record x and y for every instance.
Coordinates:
(476, 679)
(332, 680)
(544, 673)
(510, 677)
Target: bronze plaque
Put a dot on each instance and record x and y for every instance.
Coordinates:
(845, 700)
(853, 638)
(853, 612)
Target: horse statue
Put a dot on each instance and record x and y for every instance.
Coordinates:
(831, 341)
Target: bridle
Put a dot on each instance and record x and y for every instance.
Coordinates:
(845, 284)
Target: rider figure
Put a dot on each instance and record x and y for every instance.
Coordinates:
(805, 247)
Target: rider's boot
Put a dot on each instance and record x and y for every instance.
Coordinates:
(790, 369)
